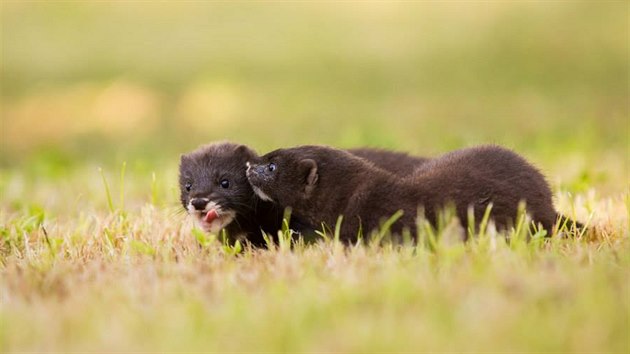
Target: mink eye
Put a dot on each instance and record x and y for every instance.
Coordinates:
(271, 167)
(225, 183)
(188, 186)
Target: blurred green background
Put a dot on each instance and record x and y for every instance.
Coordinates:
(100, 83)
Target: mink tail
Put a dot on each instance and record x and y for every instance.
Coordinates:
(574, 227)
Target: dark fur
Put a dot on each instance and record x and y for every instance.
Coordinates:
(320, 183)
(207, 165)
(398, 163)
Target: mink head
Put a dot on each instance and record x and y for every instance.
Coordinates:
(213, 185)
(287, 177)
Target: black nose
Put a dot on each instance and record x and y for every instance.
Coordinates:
(199, 203)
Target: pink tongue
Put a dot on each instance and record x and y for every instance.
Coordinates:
(212, 214)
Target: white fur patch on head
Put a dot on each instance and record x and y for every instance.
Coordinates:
(262, 194)
(224, 217)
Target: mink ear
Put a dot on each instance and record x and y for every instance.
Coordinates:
(245, 151)
(308, 169)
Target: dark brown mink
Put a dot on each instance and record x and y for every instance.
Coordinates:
(320, 183)
(215, 191)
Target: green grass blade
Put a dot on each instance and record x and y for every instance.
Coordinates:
(110, 203)
(122, 185)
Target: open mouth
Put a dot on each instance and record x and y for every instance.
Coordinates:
(212, 218)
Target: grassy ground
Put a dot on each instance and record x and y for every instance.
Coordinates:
(140, 281)
(106, 85)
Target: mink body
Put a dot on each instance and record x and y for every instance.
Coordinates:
(320, 183)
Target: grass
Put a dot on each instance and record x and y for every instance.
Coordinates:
(142, 279)
(99, 99)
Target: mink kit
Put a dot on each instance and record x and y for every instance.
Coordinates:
(215, 191)
(320, 183)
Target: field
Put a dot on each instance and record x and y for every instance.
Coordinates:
(99, 100)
